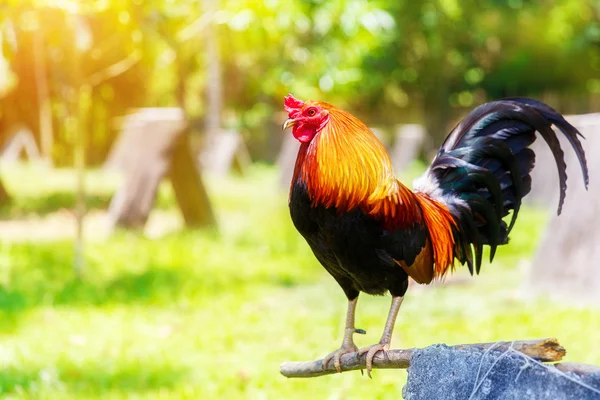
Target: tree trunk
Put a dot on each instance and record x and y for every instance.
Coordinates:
(4, 197)
(84, 99)
(41, 83)
(214, 90)
(189, 189)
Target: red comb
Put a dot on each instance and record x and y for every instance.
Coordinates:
(292, 105)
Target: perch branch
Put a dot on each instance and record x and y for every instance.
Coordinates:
(541, 349)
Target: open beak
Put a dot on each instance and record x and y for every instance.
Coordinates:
(288, 123)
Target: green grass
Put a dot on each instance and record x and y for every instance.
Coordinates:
(213, 314)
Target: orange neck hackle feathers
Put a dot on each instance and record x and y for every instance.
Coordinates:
(327, 165)
(345, 166)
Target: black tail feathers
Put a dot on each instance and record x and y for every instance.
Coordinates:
(482, 170)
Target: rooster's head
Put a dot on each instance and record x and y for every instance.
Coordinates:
(305, 118)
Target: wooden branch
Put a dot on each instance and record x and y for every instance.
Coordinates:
(541, 349)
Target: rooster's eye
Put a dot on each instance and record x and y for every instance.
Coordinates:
(312, 112)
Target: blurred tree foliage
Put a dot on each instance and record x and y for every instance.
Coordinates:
(390, 61)
(455, 54)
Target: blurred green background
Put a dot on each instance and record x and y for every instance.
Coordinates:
(173, 313)
(387, 61)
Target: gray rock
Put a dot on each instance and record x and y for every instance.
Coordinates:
(438, 372)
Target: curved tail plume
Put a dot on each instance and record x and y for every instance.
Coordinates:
(482, 171)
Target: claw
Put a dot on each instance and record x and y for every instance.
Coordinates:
(337, 355)
(371, 351)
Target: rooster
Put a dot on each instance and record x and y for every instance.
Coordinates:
(372, 233)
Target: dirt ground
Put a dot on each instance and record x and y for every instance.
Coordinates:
(63, 225)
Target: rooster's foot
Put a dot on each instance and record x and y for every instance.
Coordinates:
(336, 355)
(371, 351)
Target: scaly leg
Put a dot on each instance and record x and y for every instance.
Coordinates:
(384, 343)
(348, 345)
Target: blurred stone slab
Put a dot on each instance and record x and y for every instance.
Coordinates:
(439, 372)
(224, 152)
(381, 134)
(286, 160)
(139, 126)
(20, 143)
(408, 143)
(154, 144)
(566, 263)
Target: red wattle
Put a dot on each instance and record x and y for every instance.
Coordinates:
(304, 135)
